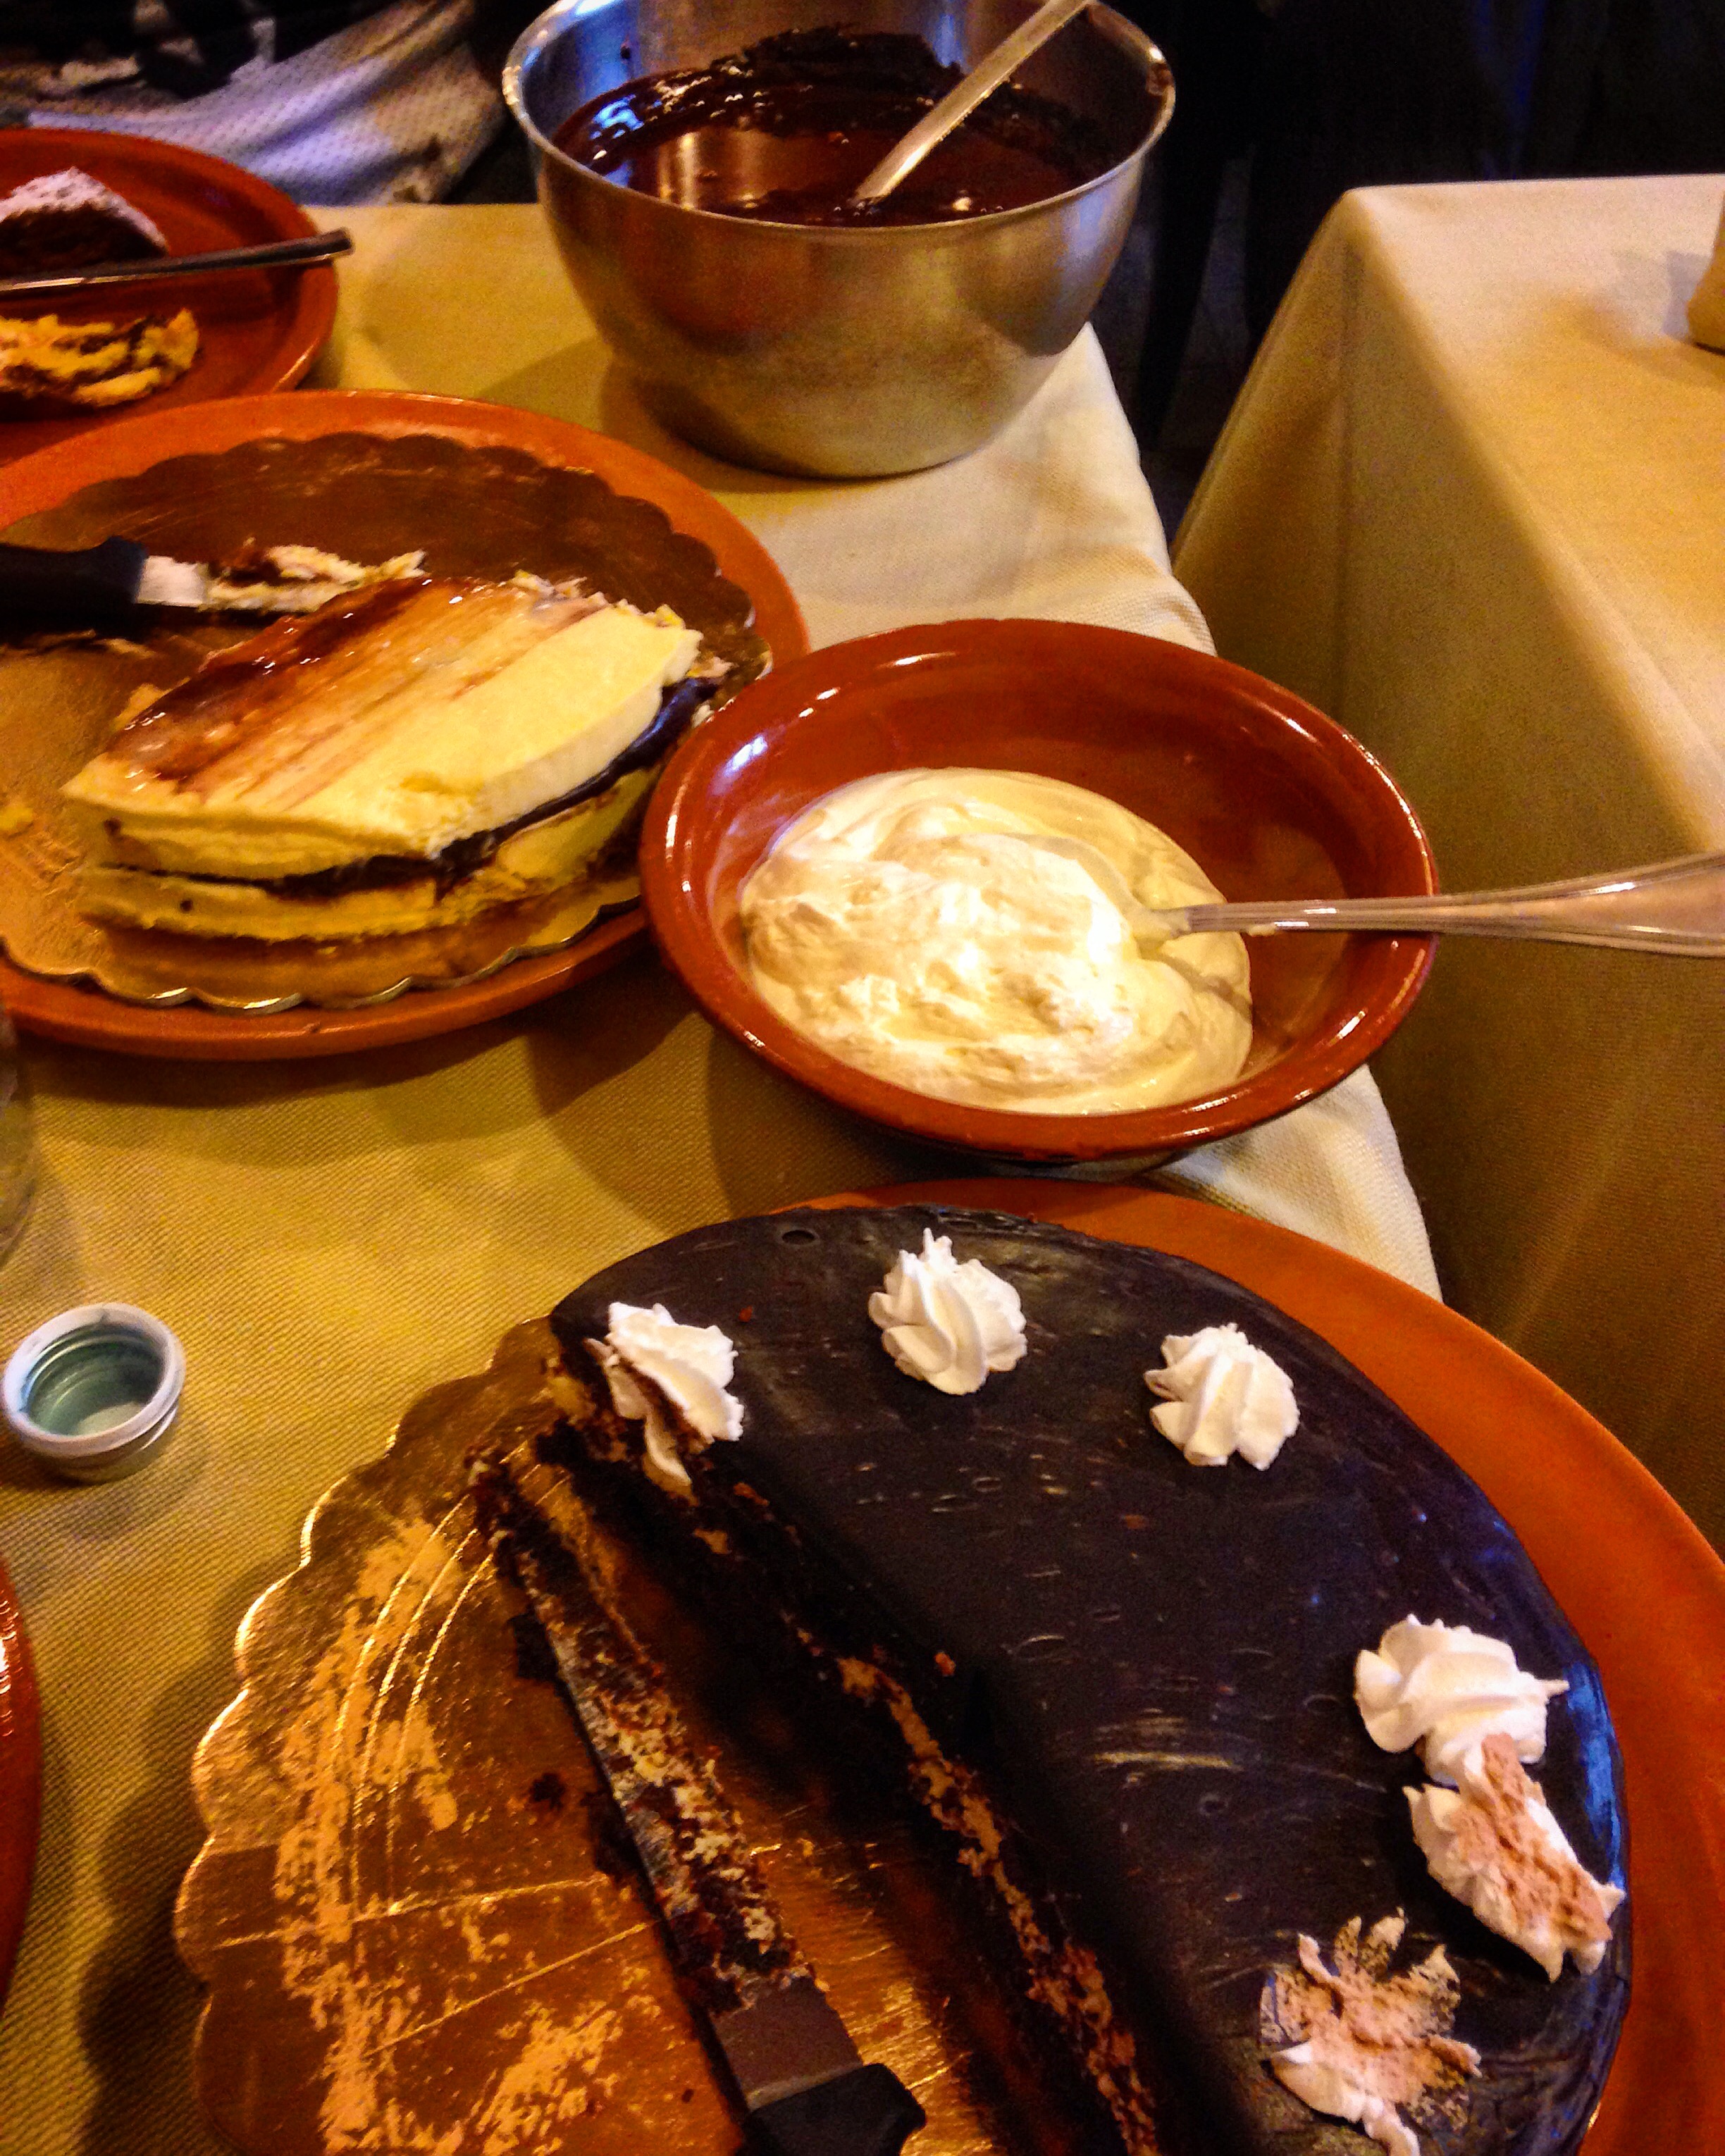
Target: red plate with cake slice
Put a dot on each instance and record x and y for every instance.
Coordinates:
(484, 489)
(258, 329)
(399, 1912)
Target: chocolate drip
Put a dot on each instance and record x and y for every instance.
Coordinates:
(235, 693)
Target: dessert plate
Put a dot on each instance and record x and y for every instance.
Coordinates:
(485, 489)
(20, 1776)
(402, 1909)
(259, 329)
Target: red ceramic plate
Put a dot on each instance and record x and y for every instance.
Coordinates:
(20, 1776)
(1271, 798)
(93, 1019)
(260, 329)
(1632, 1574)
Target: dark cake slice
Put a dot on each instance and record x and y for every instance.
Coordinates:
(1123, 1682)
(66, 220)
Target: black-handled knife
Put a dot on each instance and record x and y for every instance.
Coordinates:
(802, 2081)
(88, 583)
(91, 585)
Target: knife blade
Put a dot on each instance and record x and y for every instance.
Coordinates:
(92, 584)
(802, 2080)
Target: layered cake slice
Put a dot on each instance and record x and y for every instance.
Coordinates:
(909, 1455)
(48, 366)
(403, 758)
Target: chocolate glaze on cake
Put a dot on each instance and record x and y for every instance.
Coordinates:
(1150, 1663)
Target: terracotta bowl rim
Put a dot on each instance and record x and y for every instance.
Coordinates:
(673, 877)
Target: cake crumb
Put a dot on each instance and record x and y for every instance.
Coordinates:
(1357, 2042)
(16, 815)
(1494, 1844)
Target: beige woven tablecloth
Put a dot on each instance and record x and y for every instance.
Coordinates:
(1471, 501)
(330, 1239)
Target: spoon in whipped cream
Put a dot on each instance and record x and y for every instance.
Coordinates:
(1670, 909)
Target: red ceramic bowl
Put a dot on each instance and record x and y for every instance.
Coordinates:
(1271, 798)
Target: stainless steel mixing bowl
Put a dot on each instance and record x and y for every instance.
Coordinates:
(836, 353)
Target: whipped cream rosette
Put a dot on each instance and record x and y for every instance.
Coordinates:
(1445, 1689)
(1223, 1396)
(1373, 2042)
(1495, 1845)
(652, 1363)
(947, 1323)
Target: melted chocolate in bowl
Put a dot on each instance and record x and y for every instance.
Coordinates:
(785, 130)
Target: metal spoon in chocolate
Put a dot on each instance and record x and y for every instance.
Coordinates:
(956, 107)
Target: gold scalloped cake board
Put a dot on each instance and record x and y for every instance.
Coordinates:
(404, 1911)
(476, 512)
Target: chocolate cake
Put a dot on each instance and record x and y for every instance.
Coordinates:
(66, 220)
(1123, 1682)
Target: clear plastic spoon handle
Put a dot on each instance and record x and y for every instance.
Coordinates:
(956, 107)
(1674, 908)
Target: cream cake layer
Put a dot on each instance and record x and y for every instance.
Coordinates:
(395, 723)
(48, 366)
(551, 852)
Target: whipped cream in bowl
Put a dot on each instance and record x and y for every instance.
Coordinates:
(1128, 743)
(981, 937)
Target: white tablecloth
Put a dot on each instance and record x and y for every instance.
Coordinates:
(1471, 501)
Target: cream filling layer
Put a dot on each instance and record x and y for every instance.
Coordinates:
(978, 935)
(544, 857)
